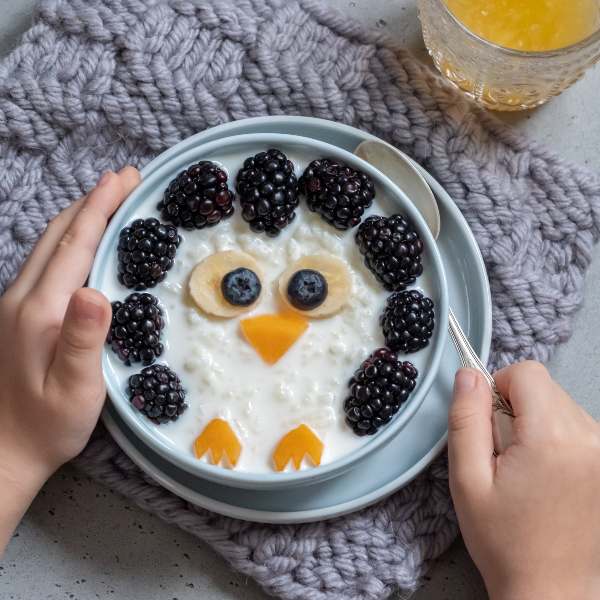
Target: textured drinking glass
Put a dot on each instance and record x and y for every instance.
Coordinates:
(497, 77)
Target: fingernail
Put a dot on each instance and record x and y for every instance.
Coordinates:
(86, 309)
(104, 179)
(465, 380)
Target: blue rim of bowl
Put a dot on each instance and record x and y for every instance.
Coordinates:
(169, 168)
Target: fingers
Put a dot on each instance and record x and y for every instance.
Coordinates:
(69, 266)
(38, 259)
(77, 361)
(544, 412)
(470, 442)
(44, 250)
(529, 387)
(130, 178)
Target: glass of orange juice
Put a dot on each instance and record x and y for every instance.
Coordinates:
(512, 54)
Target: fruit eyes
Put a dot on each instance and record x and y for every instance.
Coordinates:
(241, 287)
(230, 283)
(316, 286)
(226, 284)
(307, 289)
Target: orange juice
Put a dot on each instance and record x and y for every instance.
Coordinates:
(529, 25)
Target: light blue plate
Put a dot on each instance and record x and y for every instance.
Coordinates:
(392, 466)
(231, 153)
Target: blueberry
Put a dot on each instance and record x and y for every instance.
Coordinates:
(307, 289)
(241, 287)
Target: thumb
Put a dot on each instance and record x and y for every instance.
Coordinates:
(77, 361)
(470, 441)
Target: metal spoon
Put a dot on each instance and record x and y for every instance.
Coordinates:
(400, 170)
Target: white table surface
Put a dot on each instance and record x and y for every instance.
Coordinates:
(80, 541)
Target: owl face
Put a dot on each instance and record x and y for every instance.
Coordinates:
(270, 336)
(269, 367)
(229, 284)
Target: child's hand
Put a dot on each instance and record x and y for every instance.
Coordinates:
(531, 516)
(51, 336)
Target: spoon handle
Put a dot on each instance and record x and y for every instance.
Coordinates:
(502, 415)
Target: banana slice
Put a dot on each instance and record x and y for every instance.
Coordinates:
(336, 275)
(206, 278)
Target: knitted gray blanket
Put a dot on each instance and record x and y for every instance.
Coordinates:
(96, 84)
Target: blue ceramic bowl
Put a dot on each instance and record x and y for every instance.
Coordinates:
(232, 151)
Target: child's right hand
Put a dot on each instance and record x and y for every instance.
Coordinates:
(531, 516)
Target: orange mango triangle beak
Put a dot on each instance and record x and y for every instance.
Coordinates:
(273, 335)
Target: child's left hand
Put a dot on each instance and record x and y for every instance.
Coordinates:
(51, 335)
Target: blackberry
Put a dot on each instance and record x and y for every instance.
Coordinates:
(134, 333)
(241, 287)
(268, 191)
(198, 197)
(408, 321)
(378, 389)
(337, 192)
(146, 250)
(157, 392)
(307, 289)
(392, 250)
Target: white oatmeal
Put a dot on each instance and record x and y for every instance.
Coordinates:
(225, 377)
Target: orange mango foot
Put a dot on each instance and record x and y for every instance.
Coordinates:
(297, 444)
(220, 439)
(273, 335)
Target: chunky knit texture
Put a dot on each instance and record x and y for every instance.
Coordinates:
(96, 84)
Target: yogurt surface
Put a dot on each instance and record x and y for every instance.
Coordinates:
(225, 377)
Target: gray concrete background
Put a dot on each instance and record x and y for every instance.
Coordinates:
(80, 541)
